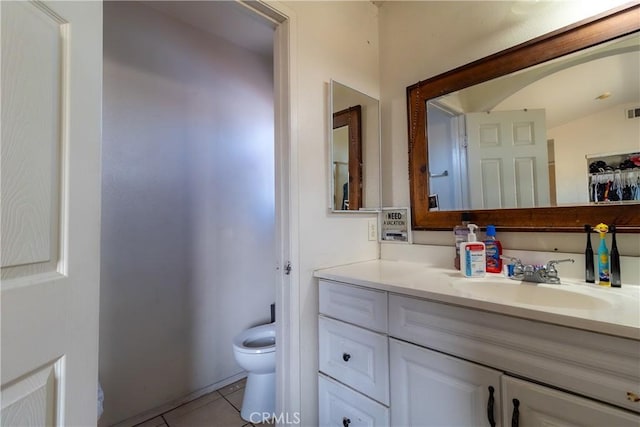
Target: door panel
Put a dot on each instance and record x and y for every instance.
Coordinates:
(50, 196)
(34, 399)
(433, 389)
(508, 166)
(31, 93)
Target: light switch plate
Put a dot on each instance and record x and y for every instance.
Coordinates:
(373, 229)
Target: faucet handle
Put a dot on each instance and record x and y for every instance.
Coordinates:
(551, 265)
(551, 272)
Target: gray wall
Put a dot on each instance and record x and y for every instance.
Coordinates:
(188, 207)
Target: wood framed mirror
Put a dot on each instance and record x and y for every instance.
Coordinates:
(566, 41)
(347, 159)
(354, 150)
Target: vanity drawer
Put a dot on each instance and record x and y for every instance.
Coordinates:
(360, 306)
(356, 357)
(340, 406)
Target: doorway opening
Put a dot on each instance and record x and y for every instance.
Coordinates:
(192, 199)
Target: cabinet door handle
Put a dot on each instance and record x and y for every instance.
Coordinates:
(345, 422)
(492, 421)
(515, 418)
(346, 357)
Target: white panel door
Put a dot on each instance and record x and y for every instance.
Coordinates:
(508, 160)
(533, 405)
(51, 83)
(433, 389)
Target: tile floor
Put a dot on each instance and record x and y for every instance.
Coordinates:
(220, 408)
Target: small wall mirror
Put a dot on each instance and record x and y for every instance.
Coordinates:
(354, 150)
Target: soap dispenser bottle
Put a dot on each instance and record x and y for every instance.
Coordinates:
(473, 255)
(460, 233)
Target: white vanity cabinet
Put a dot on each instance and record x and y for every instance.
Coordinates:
(457, 366)
(429, 388)
(602, 367)
(353, 356)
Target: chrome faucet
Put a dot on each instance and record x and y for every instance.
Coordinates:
(536, 274)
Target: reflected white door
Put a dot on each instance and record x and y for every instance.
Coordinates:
(508, 166)
(50, 205)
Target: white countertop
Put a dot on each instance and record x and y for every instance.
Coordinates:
(613, 311)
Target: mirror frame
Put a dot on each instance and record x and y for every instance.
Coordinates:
(599, 29)
(352, 119)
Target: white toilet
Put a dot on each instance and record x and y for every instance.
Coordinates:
(255, 351)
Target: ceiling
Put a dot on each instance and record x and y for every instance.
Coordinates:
(573, 92)
(229, 20)
(566, 88)
(581, 81)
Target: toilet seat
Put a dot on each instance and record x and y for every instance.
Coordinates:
(257, 340)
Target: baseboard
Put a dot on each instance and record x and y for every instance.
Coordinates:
(152, 413)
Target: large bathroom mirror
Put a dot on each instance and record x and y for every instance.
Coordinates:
(354, 147)
(542, 136)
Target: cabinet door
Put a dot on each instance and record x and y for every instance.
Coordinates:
(433, 389)
(545, 407)
(340, 406)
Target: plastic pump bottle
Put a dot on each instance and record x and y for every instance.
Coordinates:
(460, 233)
(473, 255)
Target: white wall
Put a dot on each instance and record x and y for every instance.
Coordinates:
(422, 39)
(188, 207)
(606, 132)
(335, 40)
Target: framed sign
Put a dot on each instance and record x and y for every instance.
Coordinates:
(395, 225)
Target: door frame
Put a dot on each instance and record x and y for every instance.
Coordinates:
(288, 387)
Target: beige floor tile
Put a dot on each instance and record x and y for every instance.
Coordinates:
(217, 413)
(235, 398)
(233, 387)
(154, 422)
(193, 405)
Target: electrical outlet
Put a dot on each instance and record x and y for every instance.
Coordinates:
(373, 229)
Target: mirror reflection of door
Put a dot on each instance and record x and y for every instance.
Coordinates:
(347, 159)
(510, 165)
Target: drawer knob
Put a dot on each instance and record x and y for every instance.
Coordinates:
(345, 422)
(346, 357)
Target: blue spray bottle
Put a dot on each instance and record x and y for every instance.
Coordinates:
(603, 255)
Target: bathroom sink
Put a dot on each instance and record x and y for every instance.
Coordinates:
(555, 296)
